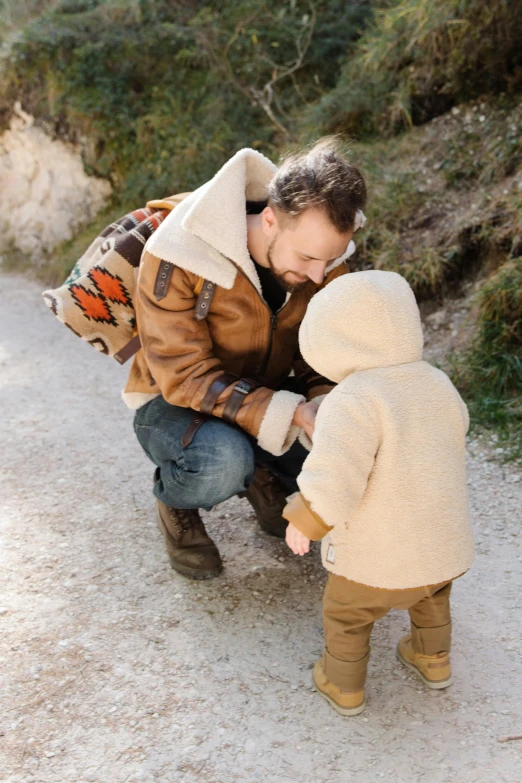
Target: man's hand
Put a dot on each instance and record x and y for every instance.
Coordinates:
(298, 543)
(304, 416)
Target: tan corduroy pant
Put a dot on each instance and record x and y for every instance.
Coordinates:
(350, 610)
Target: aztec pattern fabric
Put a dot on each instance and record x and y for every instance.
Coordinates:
(96, 300)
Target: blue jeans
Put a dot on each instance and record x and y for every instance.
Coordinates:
(219, 463)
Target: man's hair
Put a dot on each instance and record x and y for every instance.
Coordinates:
(321, 177)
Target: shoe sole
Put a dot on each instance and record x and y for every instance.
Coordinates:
(434, 686)
(190, 573)
(346, 712)
(272, 533)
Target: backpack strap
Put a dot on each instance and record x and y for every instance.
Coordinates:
(132, 347)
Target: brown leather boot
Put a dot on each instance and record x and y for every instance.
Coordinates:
(191, 550)
(267, 496)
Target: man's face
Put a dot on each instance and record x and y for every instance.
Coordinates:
(301, 248)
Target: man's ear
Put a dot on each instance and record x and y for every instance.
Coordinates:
(268, 220)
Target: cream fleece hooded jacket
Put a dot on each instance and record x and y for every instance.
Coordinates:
(385, 482)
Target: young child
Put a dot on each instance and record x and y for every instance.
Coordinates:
(384, 485)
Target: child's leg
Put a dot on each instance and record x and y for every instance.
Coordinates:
(426, 650)
(349, 612)
(431, 622)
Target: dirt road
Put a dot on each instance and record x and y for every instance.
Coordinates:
(115, 669)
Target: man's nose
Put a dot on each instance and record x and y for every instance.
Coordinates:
(316, 270)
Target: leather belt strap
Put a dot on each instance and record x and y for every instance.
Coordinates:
(235, 401)
(162, 280)
(215, 391)
(125, 353)
(204, 300)
(188, 436)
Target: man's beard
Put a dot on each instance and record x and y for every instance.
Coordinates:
(285, 285)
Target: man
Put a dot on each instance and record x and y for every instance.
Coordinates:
(223, 286)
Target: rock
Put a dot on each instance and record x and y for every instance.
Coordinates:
(46, 194)
(437, 319)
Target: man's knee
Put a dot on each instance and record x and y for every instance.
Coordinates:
(218, 464)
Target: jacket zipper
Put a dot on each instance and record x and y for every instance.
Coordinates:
(273, 324)
(273, 319)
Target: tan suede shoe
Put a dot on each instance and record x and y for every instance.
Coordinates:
(433, 670)
(343, 702)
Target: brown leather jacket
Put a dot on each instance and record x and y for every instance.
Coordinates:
(231, 358)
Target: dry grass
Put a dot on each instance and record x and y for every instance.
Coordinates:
(418, 59)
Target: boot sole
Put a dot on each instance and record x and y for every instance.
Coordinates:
(190, 573)
(344, 711)
(272, 533)
(434, 686)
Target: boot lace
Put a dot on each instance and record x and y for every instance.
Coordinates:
(186, 518)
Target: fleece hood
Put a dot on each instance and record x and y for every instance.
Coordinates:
(361, 321)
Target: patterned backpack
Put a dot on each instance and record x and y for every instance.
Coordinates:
(96, 300)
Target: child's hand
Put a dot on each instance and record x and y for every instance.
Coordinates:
(298, 543)
(304, 416)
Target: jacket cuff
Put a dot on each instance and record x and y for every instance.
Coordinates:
(277, 433)
(299, 512)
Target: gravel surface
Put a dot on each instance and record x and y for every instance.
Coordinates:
(116, 669)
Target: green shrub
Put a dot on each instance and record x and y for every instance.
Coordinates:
(490, 374)
(15, 15)
(496, 358)
(418, 59)
(166, 91)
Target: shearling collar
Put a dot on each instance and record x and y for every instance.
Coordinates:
(208, 229)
